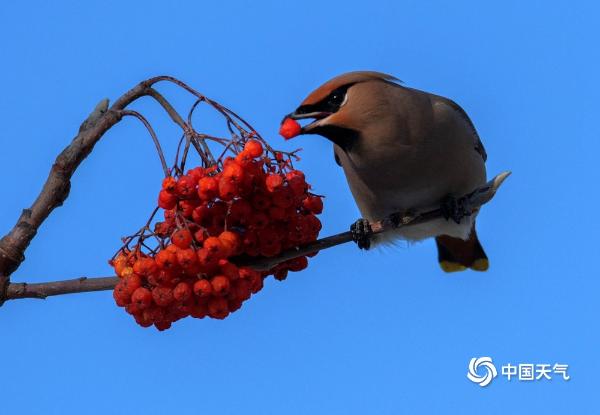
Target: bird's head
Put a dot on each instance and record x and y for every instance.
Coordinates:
(342, 106)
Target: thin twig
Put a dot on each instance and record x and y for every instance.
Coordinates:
(144, 121)
(168, 108)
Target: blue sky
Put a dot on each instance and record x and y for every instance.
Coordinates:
(357, 332)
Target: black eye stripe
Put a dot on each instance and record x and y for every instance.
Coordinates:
(331, 103)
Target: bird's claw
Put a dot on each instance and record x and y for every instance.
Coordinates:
(361, 233)
(455, 208)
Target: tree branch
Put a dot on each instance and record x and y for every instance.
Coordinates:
(47, 289)
(58, 184)
(476, 199)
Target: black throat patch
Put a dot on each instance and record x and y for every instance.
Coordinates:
(345, 138)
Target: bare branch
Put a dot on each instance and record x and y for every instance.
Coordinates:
(58, 184)
(477, 198)
(47, 289)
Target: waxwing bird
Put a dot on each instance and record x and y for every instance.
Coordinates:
(401, 148)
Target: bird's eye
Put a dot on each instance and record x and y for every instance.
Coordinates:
(336, 99)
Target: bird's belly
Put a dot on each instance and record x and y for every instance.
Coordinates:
(413, 194)
(431, 229)
(417, 180)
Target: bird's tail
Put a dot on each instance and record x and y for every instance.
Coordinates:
(455, 254)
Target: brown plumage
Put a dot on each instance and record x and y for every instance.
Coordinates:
(402, 148)
(348, 78)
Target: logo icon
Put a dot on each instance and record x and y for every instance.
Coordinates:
(481, 362)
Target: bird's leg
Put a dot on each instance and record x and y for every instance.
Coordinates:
(455, 208)
(361, 233)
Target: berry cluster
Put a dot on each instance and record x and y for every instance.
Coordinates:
(248, 205)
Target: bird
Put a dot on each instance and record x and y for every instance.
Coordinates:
(402, 148)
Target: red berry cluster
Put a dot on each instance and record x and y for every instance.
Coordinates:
(249, 205)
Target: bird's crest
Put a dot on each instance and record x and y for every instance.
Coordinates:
(324, 90)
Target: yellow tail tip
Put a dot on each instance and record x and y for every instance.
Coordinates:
(481, 264)
(448, 266)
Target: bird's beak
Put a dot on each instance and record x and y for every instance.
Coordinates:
(316, 115)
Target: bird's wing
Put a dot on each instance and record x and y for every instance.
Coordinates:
(457, 109)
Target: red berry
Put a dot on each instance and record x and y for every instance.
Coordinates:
(169, 184)
(162, 296)
(233, 171)
(166, 259)
(182, 238)
(145, 267)
(218, 308)
(131, 283)
(228, 189)
(234, 304)
(244, 158)
(202, 288)
(220, 285)
(182, 291)
(207, 261)
(214, 246)
(289, 128)
(241, 289)
(187, 207)
(121, 294)
(187, 258)
(297, 264)
(231, 242)
(313, 204)
(199, 310)
(296, 182)
(229, 270)
(254, 148)
(166, 200)
(186, 186)
(208, 188)
(162, 325)
(273, 182)
(280, 274)
(142, 298)
(197, 173)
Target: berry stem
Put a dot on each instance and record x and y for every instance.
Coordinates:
(144, 121)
